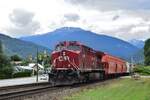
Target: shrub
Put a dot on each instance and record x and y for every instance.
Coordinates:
(147, 52)
(22, 74)
(143, 70)
(6, 68)
(15, 58)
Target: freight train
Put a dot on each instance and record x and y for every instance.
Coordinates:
(73, 62)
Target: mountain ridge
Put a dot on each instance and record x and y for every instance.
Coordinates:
(22, 48)
(111, 45)
(138, 43)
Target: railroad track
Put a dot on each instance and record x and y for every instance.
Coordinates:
(11, 92)
(21, 87)
(23, 91)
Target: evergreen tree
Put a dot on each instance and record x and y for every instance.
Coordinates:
(15, 58)
(1, 47)
(6, 69)
(147, 52)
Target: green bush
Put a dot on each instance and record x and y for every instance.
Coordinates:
(147, 52)
(143, 70)
(6, 68)
(22, 74)
(16, 58)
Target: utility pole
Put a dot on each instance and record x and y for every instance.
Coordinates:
(132, 65)
(37, 68)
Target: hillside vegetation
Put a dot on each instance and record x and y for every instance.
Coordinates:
(14, 46)
(147, 52)
(6, 69)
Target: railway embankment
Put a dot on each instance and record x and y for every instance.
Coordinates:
(125, 88)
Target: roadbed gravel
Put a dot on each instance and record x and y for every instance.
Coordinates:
(61, 93)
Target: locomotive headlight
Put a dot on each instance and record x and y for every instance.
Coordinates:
(64, 53)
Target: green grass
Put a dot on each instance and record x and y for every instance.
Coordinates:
(123, 89)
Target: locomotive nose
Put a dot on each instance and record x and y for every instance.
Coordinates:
(65, 59)
(64, 56)
(63, 53)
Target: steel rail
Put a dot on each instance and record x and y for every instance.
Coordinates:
(15, 94)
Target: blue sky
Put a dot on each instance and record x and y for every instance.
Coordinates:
(125, 19)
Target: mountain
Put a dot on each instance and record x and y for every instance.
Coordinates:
(138, 43)
(111, 45)
(22, 48)
(138, 57)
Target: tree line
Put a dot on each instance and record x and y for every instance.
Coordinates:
(6, 69)
(147, 52)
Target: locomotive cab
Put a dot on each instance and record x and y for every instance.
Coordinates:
(65, 61)
(66, 56)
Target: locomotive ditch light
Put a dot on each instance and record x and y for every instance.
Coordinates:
(69, 65)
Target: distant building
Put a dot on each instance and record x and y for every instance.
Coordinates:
(31, 67)
(16, 62)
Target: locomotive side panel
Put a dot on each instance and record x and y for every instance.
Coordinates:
(89, 62)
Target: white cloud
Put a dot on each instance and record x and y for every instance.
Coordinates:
(119, 18)
(22, 23)
(72, 17)
(112, 4)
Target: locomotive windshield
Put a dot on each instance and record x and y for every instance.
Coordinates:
(70, 47)
(73, 47)
(60, 47)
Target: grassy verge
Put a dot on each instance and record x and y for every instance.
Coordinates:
(123, 89)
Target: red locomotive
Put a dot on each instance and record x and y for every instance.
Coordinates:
(74, 62)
